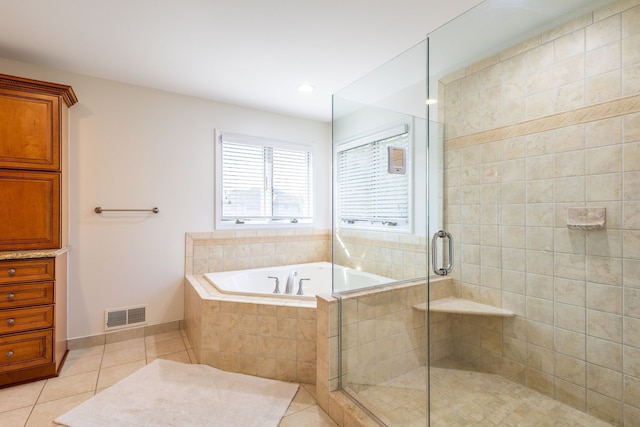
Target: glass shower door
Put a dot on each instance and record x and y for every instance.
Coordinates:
(381, 239)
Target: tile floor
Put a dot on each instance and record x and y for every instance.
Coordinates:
(88, 371)
(466, 398)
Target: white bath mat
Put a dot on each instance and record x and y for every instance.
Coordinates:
(167, 393)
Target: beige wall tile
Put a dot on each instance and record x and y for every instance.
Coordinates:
(604, 325)
(604, 407)
(570, 369)
(604, 160)
(604, 353)
(631, 303)
(631, 391)
(632, 361)
(539, 333)
(571, 189)
(631, 188)
(539, 215)
(570, 163)
(631, 157)
(604, 243)
(631, 331)
(604, 381)
(570, 343)
(604, 270)
(604, 187)
(631, 80)
(631, 244)
(603, 59)
(604, 32)
(540, 358)
(540, 381)
(604, 132)
(539, 286)
(604, 298)
(570, 266)
(631, 415)
(571, 394)
(604, 87)
(540, 310)
(570, 317)
(569, 291)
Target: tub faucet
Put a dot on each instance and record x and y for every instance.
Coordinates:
(291, 282)
(300, 291)
(277, 288)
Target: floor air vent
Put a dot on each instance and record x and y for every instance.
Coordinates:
(123, 317)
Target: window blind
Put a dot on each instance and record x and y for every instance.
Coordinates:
(265, 183)
(367, 193)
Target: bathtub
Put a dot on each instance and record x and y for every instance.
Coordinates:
(256, 282)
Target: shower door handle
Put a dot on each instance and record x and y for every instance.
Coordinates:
(443, 271)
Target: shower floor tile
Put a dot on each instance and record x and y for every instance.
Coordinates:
(466, 398)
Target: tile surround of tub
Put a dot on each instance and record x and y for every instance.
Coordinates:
(514, 163)
(251, 335)
(240, 250)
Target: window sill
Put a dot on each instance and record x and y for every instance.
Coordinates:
(254, 225)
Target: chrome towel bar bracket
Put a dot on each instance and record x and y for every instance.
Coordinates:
(99, 210)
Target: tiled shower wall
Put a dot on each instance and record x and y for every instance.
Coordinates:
(552, 123)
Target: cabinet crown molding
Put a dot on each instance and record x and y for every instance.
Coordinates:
(37, 86)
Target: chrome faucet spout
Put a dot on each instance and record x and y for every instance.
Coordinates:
(291, 280)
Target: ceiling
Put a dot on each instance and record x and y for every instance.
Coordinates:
(252, 53)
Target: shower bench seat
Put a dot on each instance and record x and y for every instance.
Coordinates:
(463, 306)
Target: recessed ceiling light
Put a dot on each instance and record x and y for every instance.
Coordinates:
(432, 101)
(305, 87)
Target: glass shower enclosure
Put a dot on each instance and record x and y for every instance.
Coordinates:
(507, 127)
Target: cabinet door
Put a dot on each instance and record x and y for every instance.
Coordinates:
(29, 131)
(29, 210)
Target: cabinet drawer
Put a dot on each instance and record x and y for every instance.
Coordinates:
(26, 350)
(26, 270)
(21, 294)
(24, 319)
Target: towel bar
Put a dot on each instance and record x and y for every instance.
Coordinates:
(99, 210)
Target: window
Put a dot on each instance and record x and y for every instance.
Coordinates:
(369, 194)
(263, 182)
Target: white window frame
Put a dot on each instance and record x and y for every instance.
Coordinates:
(368, 138)
(222, 224)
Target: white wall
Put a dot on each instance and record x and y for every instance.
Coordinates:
(133, 147)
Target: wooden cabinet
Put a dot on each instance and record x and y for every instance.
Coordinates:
(33, 227)
(33, 163)
(32, 318)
